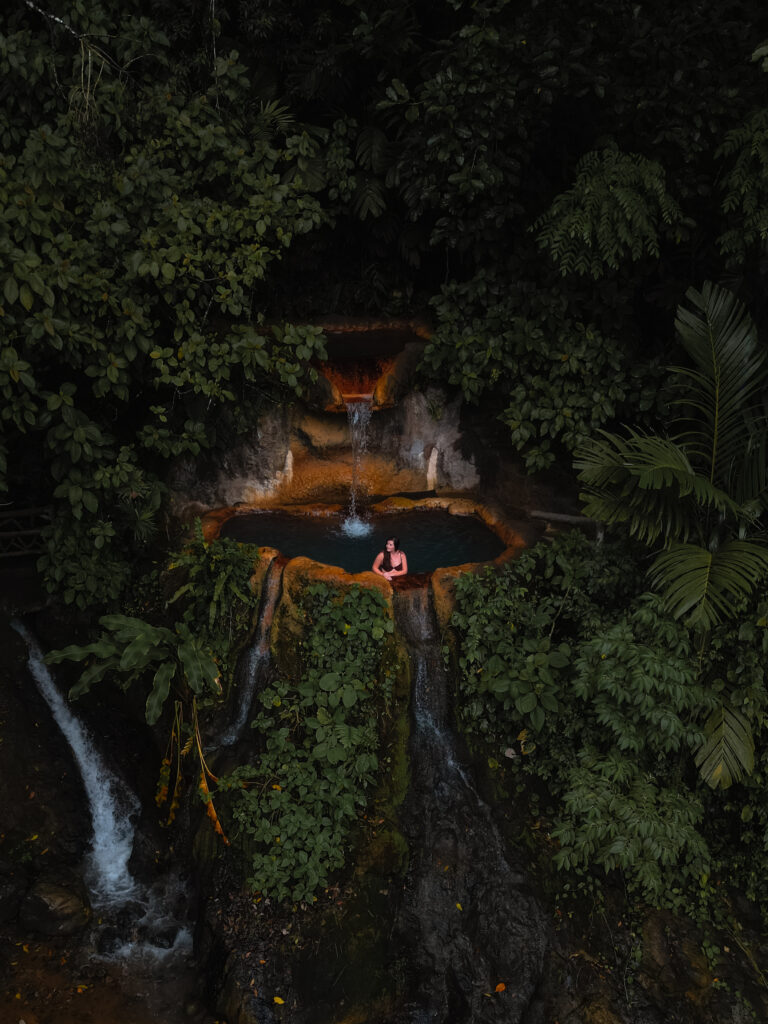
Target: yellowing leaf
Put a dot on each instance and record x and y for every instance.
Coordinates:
(459, 906)
(279, 1001)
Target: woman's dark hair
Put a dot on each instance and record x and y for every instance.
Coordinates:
(386, 562)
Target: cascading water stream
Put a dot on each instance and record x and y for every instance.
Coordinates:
(258, 657)
(358, 416)
(137, 923)
(468, 922)
(111, 803)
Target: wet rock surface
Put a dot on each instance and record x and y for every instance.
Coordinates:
(471, 929)
(55, 908)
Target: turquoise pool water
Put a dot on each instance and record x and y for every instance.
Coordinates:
(431, 538)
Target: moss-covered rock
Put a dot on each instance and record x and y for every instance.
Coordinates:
(289, 623)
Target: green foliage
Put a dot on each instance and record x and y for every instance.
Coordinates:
(610, 691)
(746, 187)
(617, 209)
(217, 597)
(620, 817)
(144, 210)
(555, 379)
(709, 482)
(130, 648)
(319, 738)
(728, 750)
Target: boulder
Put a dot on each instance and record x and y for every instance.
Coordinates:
(52, 908)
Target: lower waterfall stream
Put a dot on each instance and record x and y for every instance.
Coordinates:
(258, 655)
(112, 804)
(472, 933)
(138, 929)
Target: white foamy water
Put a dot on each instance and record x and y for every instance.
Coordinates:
(111, 802)
(354, 526)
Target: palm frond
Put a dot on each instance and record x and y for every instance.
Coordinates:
(722, 390)
(708, 586)
(646, 482)
(728, 750)
(749, 480)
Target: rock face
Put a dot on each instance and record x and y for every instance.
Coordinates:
(54, 908)
(300, 455)
(473, 931)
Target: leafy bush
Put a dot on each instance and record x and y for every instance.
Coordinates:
(599, 690)
(555, 380)
(319, 738)
(617, 209)
(216, 596)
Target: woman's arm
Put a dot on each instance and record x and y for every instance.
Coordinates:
(377, 566)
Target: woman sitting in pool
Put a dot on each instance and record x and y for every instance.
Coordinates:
(391, 561)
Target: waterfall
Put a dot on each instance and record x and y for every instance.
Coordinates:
(257, 660)
(359, 416)
(137, 923)
(468, 921)
(111, 803)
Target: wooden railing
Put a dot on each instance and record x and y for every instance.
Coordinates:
(20, 530)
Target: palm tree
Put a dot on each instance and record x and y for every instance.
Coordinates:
(702, 491)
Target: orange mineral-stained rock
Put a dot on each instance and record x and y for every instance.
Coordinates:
(444, 592)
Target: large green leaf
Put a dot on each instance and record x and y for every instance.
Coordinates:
(127, 628)
(93, 674)
(101, 648)
(728, 750)
(161, 685)
(723, 390)
(708, 585)
(143, 649)
(198, 665)
(647, 482)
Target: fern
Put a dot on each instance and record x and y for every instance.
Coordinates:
(615, 211)
(746, 186)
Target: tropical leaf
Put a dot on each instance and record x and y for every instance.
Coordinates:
(161, 685)
(721, 393)
(126, 628)
(101, 648)
(199, 667)
(708, 585)
(728, 752)
(143, 649)
(647, 482)
(93, 674)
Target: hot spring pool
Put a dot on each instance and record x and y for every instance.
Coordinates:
(431, 538)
